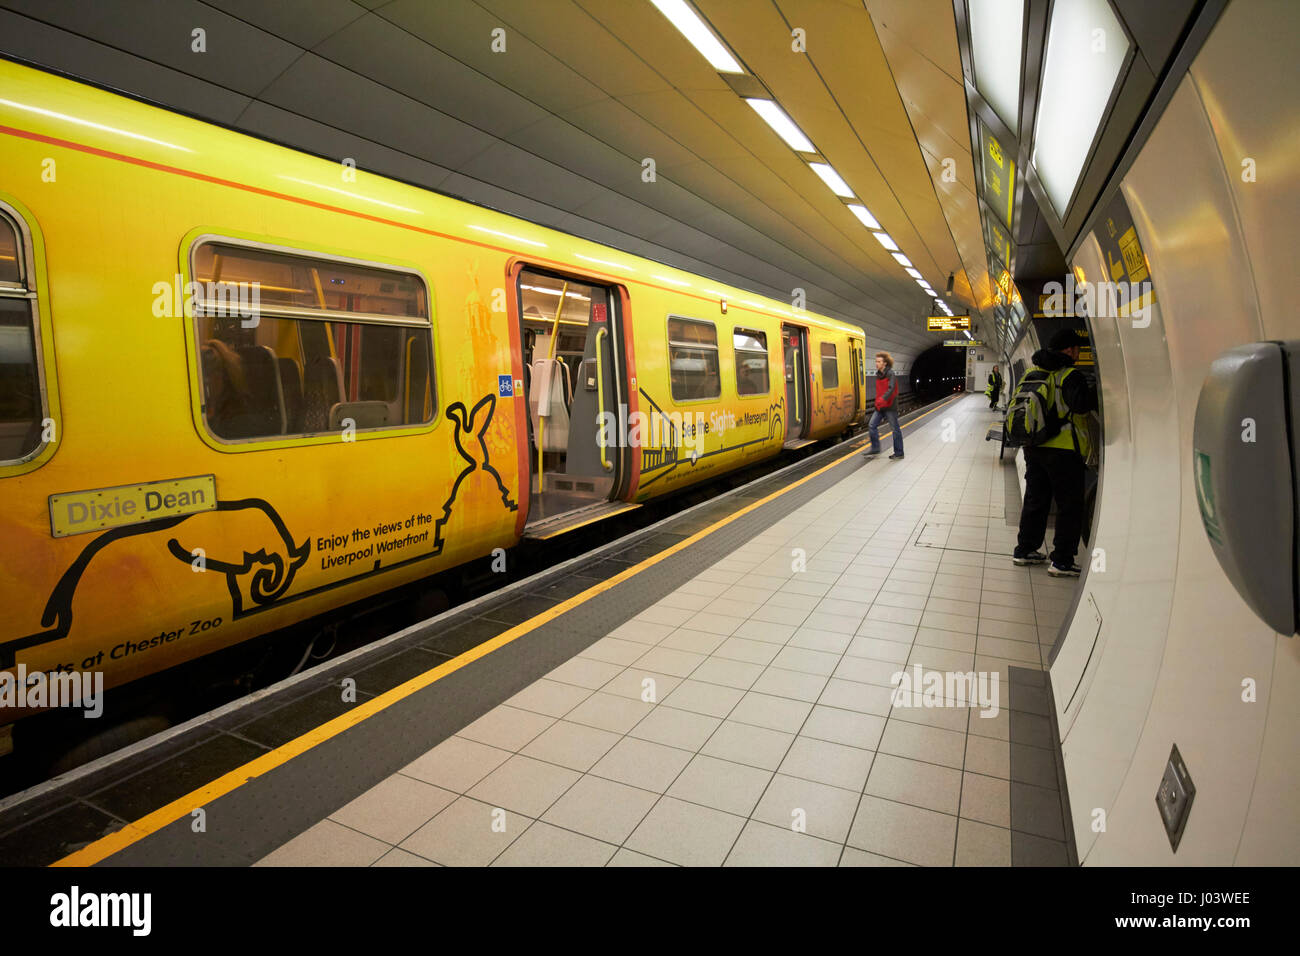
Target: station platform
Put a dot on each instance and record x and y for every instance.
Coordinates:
(714, 690)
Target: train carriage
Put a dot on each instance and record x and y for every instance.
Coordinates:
(241, 386)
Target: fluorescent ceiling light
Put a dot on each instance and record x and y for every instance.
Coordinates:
(783, 125)
(995, 29)
(832, 179)
(902, 260)
(1077, 82)
(543, 289)
(884, 240)
(686, 20)
(913, 273)
(860, 211)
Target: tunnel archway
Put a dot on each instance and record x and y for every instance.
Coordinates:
(938, 371)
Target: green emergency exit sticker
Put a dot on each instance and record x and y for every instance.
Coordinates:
(1205, 497)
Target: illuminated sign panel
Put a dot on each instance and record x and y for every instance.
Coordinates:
(1006, 291)
(998, 241)
(948, 323)
(999, 176)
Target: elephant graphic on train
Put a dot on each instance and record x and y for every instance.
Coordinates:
(241, 546)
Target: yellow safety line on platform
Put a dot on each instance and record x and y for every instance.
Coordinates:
(184, 806)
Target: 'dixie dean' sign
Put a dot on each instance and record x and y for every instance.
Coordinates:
(947, 323)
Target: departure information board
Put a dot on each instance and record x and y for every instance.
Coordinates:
(947, 323)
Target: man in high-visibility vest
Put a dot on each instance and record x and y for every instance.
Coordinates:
(1055, 467)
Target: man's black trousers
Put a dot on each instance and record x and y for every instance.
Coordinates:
(1052, 472)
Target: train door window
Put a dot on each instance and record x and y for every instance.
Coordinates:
(830, 366)
(752, 377)
(693, 359)
(291, 344)
(572, 360)
(22, 395)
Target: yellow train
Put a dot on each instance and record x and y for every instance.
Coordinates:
(241, 386)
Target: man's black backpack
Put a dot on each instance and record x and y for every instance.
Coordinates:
(1034, 414)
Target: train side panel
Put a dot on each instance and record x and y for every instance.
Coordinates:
(294, 530)
(277, 526)
(696, 423)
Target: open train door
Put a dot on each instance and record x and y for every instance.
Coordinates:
(575, 380)
(859, 378)
(795, 343)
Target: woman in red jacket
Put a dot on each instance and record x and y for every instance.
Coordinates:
(886, 407)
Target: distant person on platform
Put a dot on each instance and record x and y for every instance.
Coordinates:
(886, 407)
(1047, 413)
(995, 387)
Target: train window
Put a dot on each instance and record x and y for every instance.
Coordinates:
(830, 366)
(693, 359)
(22, 399)
(752, 377)
(294, 345)
(11, 272)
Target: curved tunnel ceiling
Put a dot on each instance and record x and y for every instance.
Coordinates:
(555, 128)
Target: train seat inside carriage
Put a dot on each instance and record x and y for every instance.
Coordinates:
(369, 414)
(250, 391)
(244, 395)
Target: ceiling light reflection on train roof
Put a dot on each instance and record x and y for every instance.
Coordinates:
(671, 281)
(902, 260)
(884, 240)
(867, 219)
(782, 124)
(832, 179)
(605, 262)
(688, 22)
(506, 235)
(350, 194)
(87, 123)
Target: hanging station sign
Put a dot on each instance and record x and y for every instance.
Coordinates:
(947, 323)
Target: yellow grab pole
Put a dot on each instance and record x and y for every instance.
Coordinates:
(541, 422)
